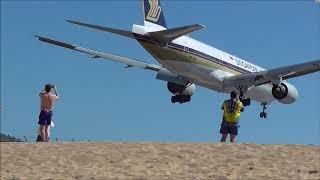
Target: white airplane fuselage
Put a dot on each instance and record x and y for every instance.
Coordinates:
(186, 62)
(202, 64)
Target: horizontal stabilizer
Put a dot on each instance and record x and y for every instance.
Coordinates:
(101, 28)
(169, 35)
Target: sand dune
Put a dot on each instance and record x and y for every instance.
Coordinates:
(158, 161)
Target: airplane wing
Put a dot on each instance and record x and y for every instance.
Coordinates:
(273, 75)
(97, 54)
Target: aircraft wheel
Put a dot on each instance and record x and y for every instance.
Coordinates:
(173, 99)
(261, 115)
(265, 115)
(181, 99)
(188, 98)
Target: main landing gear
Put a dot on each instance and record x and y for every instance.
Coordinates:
(180, 98)
(263, 114)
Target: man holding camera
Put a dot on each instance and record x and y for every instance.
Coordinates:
(48, 96)
(231, 114)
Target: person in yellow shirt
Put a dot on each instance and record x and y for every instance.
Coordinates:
(231, 114)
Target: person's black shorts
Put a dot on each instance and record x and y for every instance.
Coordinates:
(45, 117)
(229, 128)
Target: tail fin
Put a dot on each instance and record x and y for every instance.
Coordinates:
(153, 12)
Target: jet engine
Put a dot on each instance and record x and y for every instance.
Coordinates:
(285, 93)
(181, 93)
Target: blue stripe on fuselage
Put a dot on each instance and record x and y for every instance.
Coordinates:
(194, 52)
(208, 57)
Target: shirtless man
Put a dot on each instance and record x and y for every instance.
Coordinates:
(47, 99)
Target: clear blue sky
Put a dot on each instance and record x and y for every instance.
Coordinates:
(101, 100)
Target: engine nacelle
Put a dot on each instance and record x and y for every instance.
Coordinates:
(285, 93)
(178, 89)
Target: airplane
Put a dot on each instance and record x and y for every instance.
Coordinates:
(185, 62)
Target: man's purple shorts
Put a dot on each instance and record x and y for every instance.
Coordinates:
(229, 128)
(45, 117)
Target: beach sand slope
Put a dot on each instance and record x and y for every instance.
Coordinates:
(158, 161)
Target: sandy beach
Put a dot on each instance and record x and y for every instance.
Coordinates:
(158, 161)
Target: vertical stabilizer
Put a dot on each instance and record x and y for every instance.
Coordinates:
(153, 13)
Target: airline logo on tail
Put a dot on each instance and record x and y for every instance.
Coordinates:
(154, 11)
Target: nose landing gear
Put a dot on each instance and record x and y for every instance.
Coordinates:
(263, 114)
